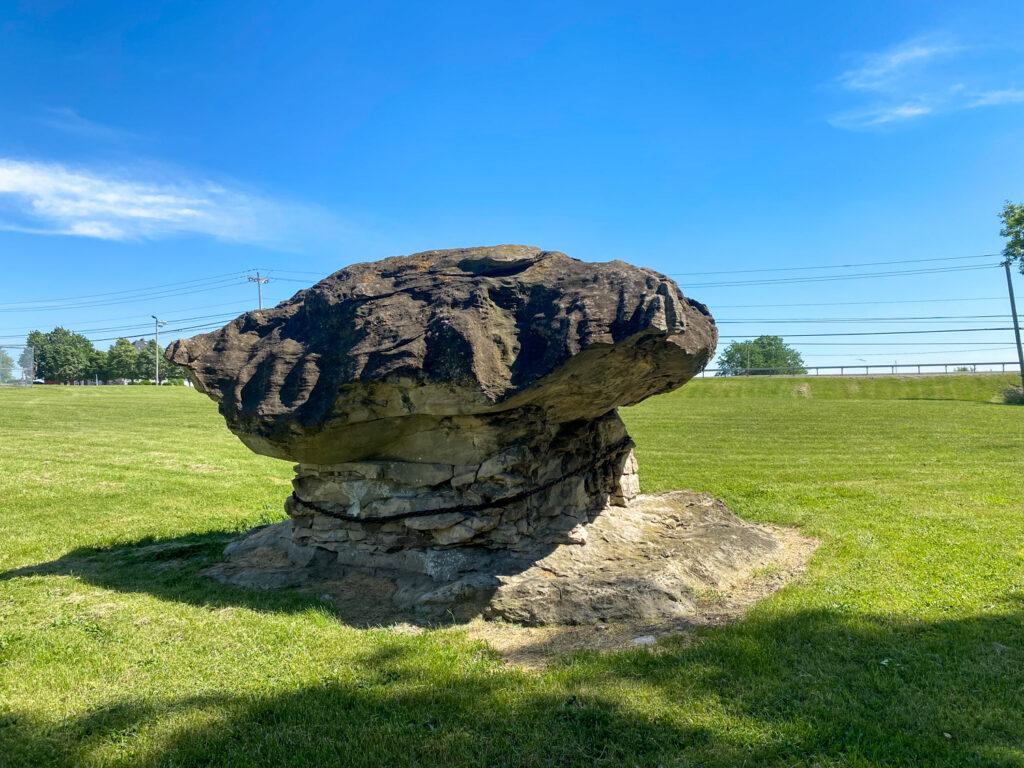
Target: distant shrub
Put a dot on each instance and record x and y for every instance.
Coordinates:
(1013, 396)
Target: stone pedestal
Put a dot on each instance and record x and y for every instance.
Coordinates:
(536, 491)
(647, 561)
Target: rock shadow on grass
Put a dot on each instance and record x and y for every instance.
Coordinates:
(810, 688)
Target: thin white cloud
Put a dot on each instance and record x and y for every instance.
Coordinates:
(881, 71)
(926, 76)
(48, 198)
(880, 116)
(997, 98)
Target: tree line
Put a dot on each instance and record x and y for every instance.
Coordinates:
(64, 356)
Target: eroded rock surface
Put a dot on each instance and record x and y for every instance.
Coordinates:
(452, 398)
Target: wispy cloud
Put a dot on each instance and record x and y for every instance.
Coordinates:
(48, 198)
(880, 116)
(882, 70)
(997, 98)
(927, 75)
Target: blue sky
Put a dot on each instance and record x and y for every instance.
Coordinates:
(149, 144)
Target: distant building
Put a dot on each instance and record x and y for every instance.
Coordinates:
(140, 345)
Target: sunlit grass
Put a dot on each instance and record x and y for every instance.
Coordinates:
(902, 645)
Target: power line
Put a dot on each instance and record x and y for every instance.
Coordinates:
(145, 297)
(835, 266)
(228, 315)
(827, 320)
(789, 280)
(879, 343)
(219, 305)
(881, 333)
(297, 272)
(127, 290)
(908, 354)
(170, 330)
(760, 269)
(857, 303)
(832, 278)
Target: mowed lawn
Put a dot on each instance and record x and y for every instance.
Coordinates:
(903, 644)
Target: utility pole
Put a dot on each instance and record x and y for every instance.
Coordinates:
(259, 286)
(156, 352)
(1016, 323)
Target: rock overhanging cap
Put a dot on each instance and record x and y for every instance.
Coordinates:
(464, 332)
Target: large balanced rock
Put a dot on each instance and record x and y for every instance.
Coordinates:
(449, 407)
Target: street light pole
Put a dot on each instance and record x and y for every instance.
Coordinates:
(1016, 323)
(156, 352)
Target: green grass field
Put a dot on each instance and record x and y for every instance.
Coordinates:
(903, 644)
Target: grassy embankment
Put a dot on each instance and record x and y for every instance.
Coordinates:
(902, 645)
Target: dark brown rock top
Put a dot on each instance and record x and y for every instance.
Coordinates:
(467, 333)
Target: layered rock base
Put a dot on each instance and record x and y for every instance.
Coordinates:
(646, 561)
(536, 491)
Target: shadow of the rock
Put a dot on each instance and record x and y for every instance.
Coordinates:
(168, 569)
(815, 688)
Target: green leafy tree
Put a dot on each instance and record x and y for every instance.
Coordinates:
(1013, 230)
(146, 366)
(122, 360)
(97, 365)
(6, 367)
(170, 371)
(62, 355)
(764, 352)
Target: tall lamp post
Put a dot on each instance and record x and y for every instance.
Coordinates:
(156, 352)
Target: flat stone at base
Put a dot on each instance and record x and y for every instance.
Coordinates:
(642, 562)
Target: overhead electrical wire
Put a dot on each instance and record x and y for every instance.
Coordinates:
(816, 278)
(858, 303)
(880, 343)
(218, 285)
(127, 290)
(827, 320)
(834, 266)
(149, 325)
(883, 333)
(833, 278)
(930, 352)
(220, 304)
(204, 326)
